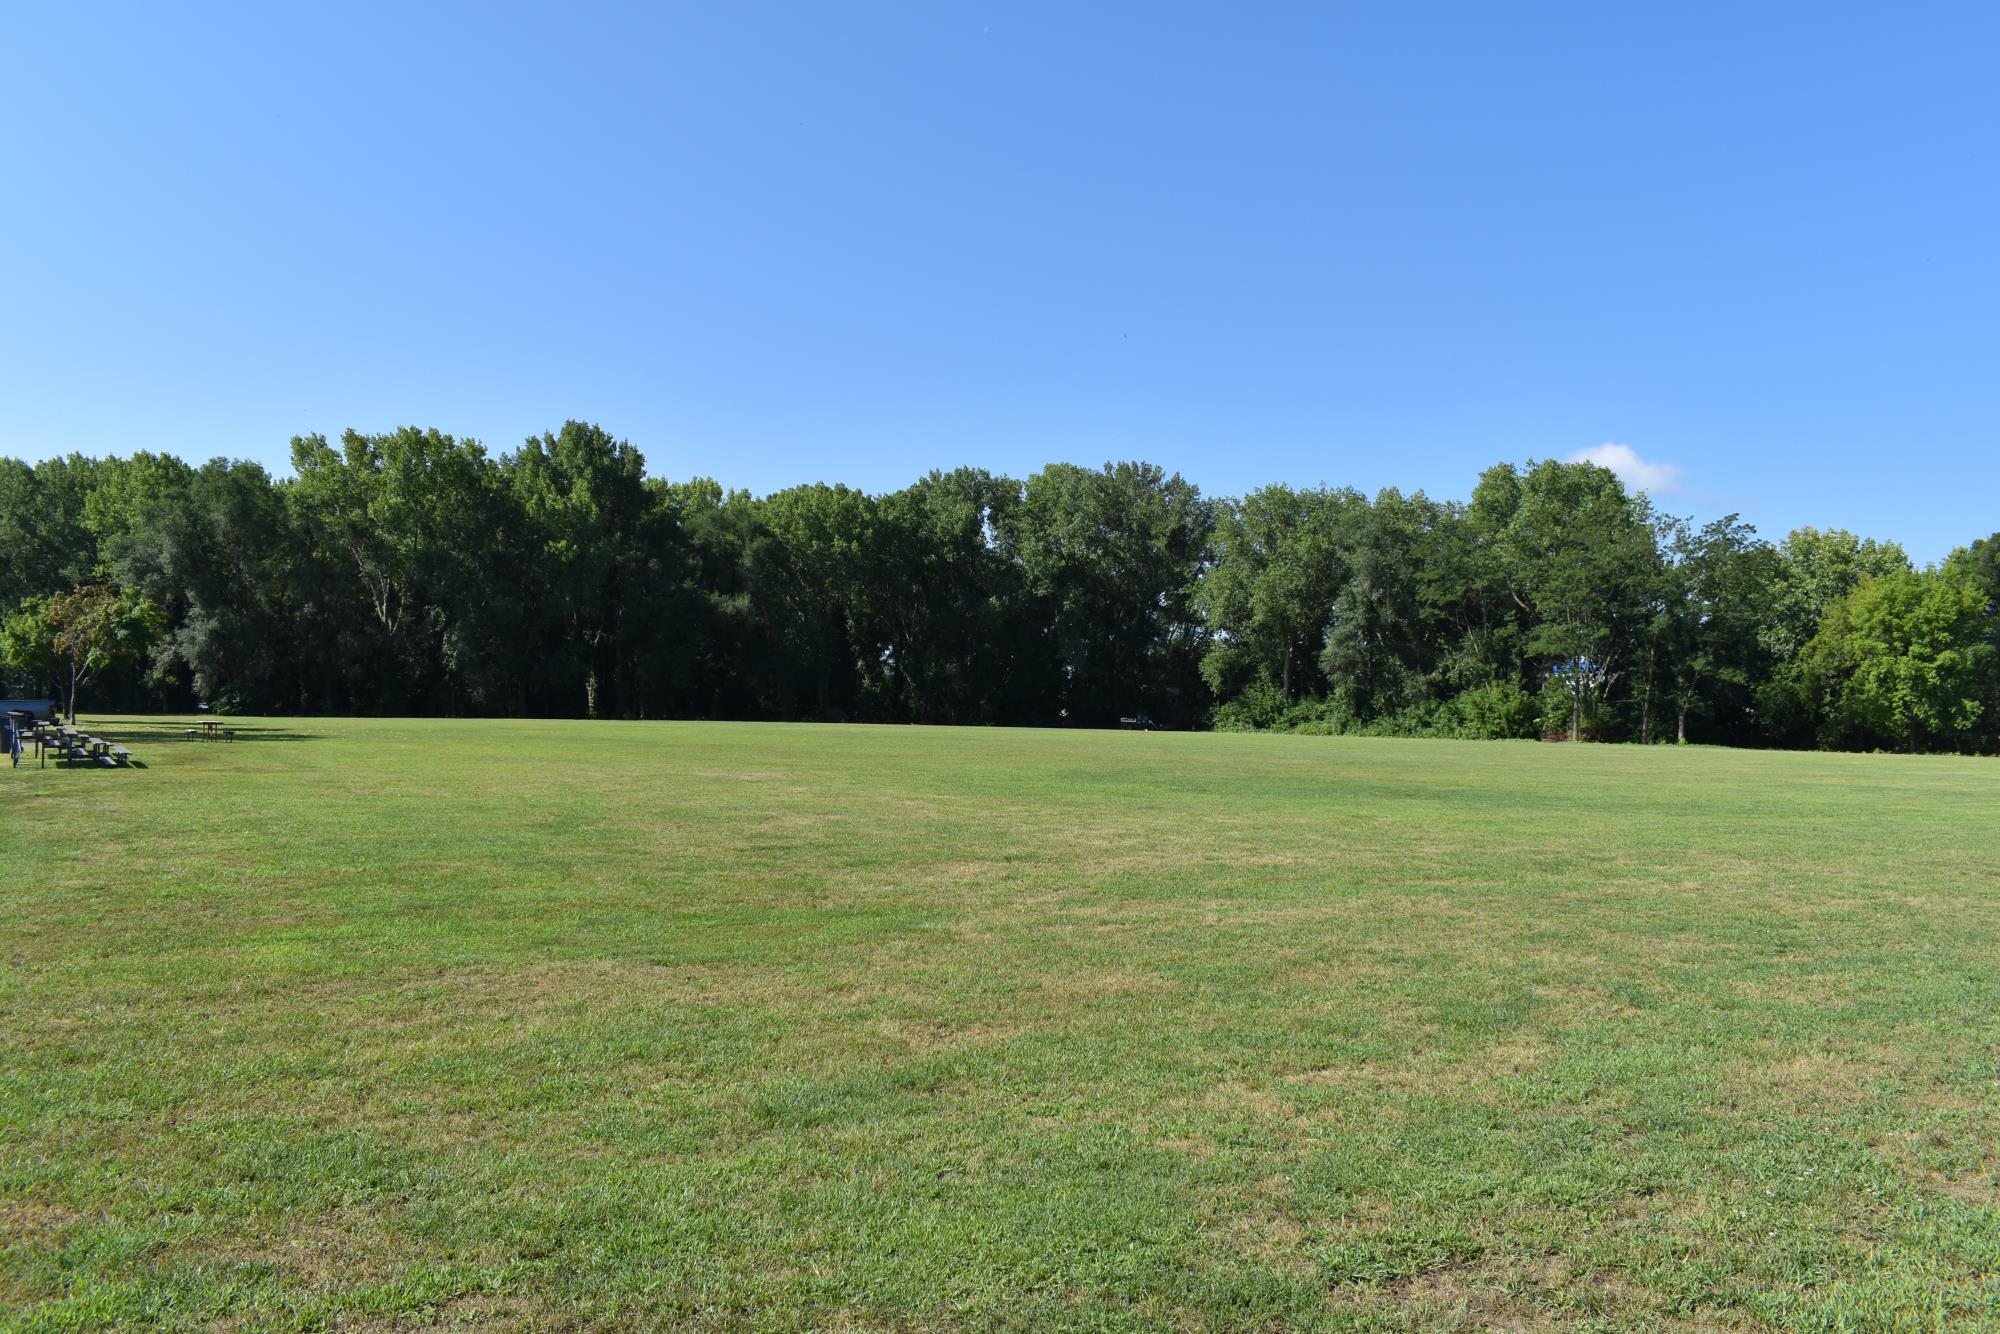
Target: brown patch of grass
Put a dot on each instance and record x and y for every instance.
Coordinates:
(1269, 1234)
(1980, 1188)
(21, 1219)
(1819, 1079)
(1233, 1096)
(1525, 1296)
(1103, 983)
(1437, 1075)
(1485, 1296)
(1192, 1146)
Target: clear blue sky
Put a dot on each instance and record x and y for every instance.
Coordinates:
(1758, 245)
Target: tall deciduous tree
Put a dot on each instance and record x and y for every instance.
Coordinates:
(583, 497)
(949, 600)
(410, 516)
(45, 543)
(1269, 594)
(1714, 603)
(1110, 559)
(1578, 555)
(1383, 638)
(1902, 660)
(814, 576)
(69, 638)
(217, 552)
(1816, 568)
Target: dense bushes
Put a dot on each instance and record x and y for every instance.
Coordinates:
(1495, 712)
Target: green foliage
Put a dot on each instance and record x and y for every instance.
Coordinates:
(956, 644)
(1260, 704)
(1383, 641)
(412, 572)
(1109, 562)
(1816, 569)
(1901, 660)
(66, 639)
(1578, 556)
(1278, 566)
(45, 544)
(584, 512)
(1706, 650)
(1495, 712)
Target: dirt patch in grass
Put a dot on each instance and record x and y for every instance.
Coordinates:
(1269, 1234)
(1233, 1097)
(1981, 1188)
(1813, 1080)
(24, 1219)
(1528, 1295)
(1489, 1296)
(1433, 1074)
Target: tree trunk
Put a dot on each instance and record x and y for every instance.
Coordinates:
(1288, 674)
(1681, 726)
(1576, 702)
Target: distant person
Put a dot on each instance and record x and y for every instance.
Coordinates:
(14, 741)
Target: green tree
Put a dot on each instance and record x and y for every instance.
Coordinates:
(126, 498)
(1579, 559)
(1979, 565)
(45, 544)
(722, 633)
(217, 552)
(412, 517)
(948, 600)
(1110, 559)
(815, 576)
(1901, 660)
(68, 638)
(1816, 568)
(1714, 603)
(1385, 634)
(1269, 593)
(582, 494)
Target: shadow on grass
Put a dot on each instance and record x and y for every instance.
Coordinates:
(153, 734)
(30, 761)
(140, 736)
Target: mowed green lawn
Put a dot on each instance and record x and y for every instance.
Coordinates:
(385, 1025)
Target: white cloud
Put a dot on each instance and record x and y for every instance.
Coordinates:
(1639, 474)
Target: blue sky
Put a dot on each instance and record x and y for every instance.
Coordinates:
(1756, 246)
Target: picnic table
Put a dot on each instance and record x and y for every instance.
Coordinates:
(209, 728)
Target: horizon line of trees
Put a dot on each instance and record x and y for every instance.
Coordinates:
(414, 573)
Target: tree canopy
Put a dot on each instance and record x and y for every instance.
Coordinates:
(415, 572)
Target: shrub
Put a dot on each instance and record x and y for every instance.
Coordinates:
(1495, 712)
(1258, 706)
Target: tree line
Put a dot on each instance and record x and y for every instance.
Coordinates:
(415, 573)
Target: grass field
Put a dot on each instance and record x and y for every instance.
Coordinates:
(385, 1025)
